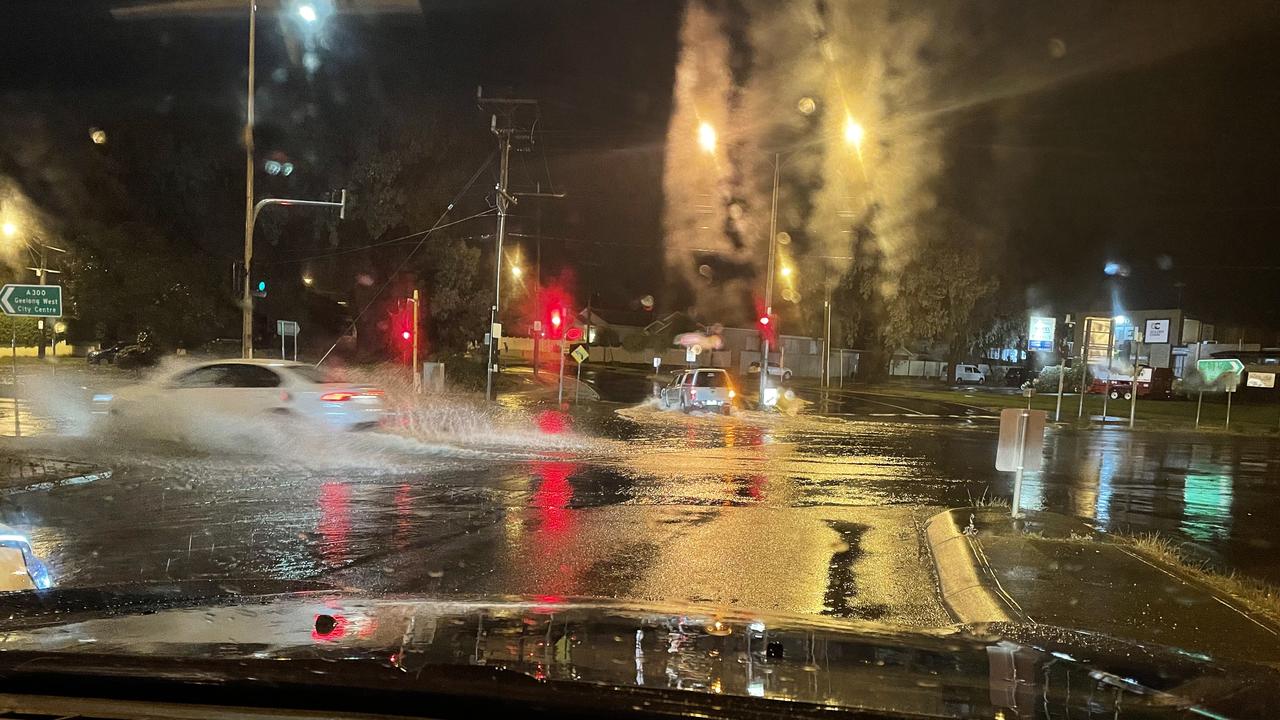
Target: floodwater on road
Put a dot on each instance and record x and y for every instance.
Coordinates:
(804, 513)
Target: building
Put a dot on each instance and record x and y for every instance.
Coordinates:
(1161, 338)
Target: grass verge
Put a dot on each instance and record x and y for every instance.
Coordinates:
(1256, 595)
(1253, 418)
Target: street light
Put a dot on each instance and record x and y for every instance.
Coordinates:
(854, 133)
(308, 280)
(707, 137)
(307, 12)
(516, 272)
(9, 229)
(786, 271)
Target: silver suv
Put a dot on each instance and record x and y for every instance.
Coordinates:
(703, 389)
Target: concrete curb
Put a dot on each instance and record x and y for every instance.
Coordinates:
(969, 589)
(51, 484)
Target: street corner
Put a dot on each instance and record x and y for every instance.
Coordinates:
(20, 474)
(969, 589)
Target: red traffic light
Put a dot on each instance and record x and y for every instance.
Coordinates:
(406, 334)
(764, 319)
(556, 318)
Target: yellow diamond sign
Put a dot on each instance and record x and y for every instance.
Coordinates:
(580, 354)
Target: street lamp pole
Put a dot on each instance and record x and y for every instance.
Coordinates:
(246, 299)
(768, 283)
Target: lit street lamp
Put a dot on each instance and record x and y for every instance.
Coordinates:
(786, 271)
(307, 12)
(516, 272)
(853, 133)
(9, 229)
(707, 137)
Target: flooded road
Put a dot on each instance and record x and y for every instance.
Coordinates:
(807, 513)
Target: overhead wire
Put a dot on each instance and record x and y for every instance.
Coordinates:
(392, 275)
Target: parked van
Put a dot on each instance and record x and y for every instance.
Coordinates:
(966, 373)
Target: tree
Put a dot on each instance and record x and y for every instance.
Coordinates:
(457, 296)
(936, 296)
(128, 277)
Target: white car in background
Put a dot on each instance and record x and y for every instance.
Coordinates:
(249, 389)
(968, 373)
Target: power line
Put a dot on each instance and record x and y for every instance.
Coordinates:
(382, 243)
(448, 208)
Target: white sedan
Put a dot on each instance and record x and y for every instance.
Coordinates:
(249, 389)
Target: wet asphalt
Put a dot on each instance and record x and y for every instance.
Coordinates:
(809, 513)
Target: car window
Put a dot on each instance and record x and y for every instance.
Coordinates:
(252, 376)
(320, 376)
(675, 381)
(711, 379)
(205, 377)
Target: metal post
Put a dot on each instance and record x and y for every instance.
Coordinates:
(1023, 419)
(17, 426)
(768, 282)
(841, 367)
(1062, 378)
(826, 347)
(503, 200)
(417, 377)
(1133, 386)
(295, 347)
(1111, 344)
(577, 384)
(1228, 426)
(1199, 402)
(246, 299)
(560, 392)
(283, 356)
(1084, 367)
(42, 274)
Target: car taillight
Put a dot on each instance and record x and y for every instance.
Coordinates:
(337, 396)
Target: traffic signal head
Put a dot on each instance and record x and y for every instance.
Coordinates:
(556, 318)
(764, 319)
(262, 286)
(406, 334)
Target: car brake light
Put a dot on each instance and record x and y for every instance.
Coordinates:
(337, 396)
(374, 391)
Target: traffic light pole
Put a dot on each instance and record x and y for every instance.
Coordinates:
(246, 318)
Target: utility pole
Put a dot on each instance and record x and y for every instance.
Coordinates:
(246, 297)
(768, 282)
(504, 200)
(507, 107)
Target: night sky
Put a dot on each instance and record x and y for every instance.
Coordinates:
(1155, 148)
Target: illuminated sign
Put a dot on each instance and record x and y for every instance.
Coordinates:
(1156, 331)
(1040, 333)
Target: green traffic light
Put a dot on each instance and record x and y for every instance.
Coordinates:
(262, 286)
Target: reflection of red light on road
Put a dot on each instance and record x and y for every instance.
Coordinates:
(551, 549)
(756, 486)
(334, 525)
(553, 422)
(404, 509)
(339, 629)
(554, 494)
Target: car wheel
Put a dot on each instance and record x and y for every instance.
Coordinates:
(1115, 395)
(786, 376)
(982, 381)
(684, 407)
(727, 410)
(1128, 396)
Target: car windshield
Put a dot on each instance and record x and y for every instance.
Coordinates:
(944, 321)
